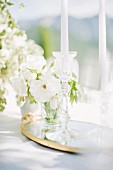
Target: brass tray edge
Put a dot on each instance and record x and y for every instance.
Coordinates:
(55, 145)
(50, 144)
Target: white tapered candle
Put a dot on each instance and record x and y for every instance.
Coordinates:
(64, 28)
(103, 60)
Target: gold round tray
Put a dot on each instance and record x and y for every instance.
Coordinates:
(86, 142)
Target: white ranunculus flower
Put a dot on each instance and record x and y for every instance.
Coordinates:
(43, 90)
(19, 85)
(54, 102)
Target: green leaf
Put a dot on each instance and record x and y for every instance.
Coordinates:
(52, 65)
(2, 33)
(1, 2)
(74, 88)
(73, 75)
(55, 75)
(10, 3)
(2, 108)
(43, 67)
(32, 100)
(72, 98)
(35, 71)
(32, 71)
(11, 24)
(21, 5)
(73, 91)
(4, 100)
(0, 45)
(38, 75)
(70, 83)
(3, 7)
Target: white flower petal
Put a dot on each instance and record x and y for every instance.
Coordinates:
(36, 62)
(54, 102)
(53, 84)
(19, 85)
(23, 66)
(28, 75)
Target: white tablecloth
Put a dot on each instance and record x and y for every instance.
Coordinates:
(19, 153)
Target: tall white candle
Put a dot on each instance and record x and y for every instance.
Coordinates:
(103, 60)
(64, 28)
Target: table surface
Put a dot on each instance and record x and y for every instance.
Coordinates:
(18, 152)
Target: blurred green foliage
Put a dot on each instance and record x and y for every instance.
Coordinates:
(83, 35)
(46, 40)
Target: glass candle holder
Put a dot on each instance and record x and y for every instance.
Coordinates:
(63, 68)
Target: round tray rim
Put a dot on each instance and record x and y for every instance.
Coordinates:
(54, 145)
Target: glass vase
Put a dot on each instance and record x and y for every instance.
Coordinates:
(50, 115)
(51, 121)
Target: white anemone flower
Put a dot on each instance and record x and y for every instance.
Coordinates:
(35, 62)
(28, 76)
(43, 90)
(19, 85)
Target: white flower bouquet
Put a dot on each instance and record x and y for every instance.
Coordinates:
(14, 47)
